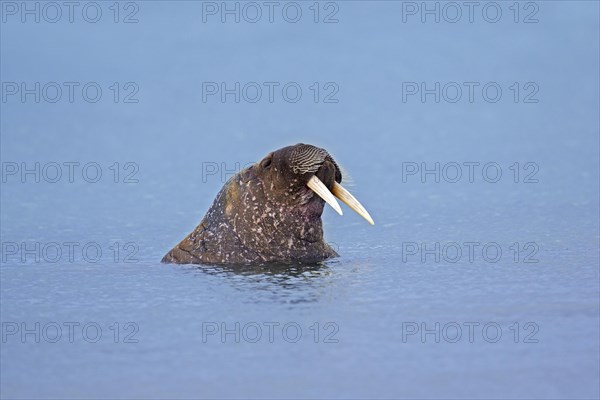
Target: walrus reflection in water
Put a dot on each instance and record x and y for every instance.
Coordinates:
(270, 212)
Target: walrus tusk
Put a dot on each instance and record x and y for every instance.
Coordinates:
(321, 190)
(341, 193)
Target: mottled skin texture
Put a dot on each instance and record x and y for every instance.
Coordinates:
(265, 213)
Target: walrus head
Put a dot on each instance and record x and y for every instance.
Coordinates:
(271, 212)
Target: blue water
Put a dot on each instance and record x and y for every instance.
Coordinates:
(380, 321)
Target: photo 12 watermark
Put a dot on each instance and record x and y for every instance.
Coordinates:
(269, 332)
(470, 172)
(454, 12)
(472, 252)
(69, 172)
(89, 252)
(221, 171)
(69, 92)
(490, 92)
(52, 12)
(254, 12)
(270, 92)
(69, 332)
(469, 332)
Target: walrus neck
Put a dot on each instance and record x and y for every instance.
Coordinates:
(277, 230)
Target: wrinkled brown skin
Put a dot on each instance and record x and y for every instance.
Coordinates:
(265, 213)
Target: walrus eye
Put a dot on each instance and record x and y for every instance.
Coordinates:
(266, 162)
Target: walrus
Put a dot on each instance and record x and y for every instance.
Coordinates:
(270, 212)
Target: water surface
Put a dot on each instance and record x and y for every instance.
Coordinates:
(533, 308)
